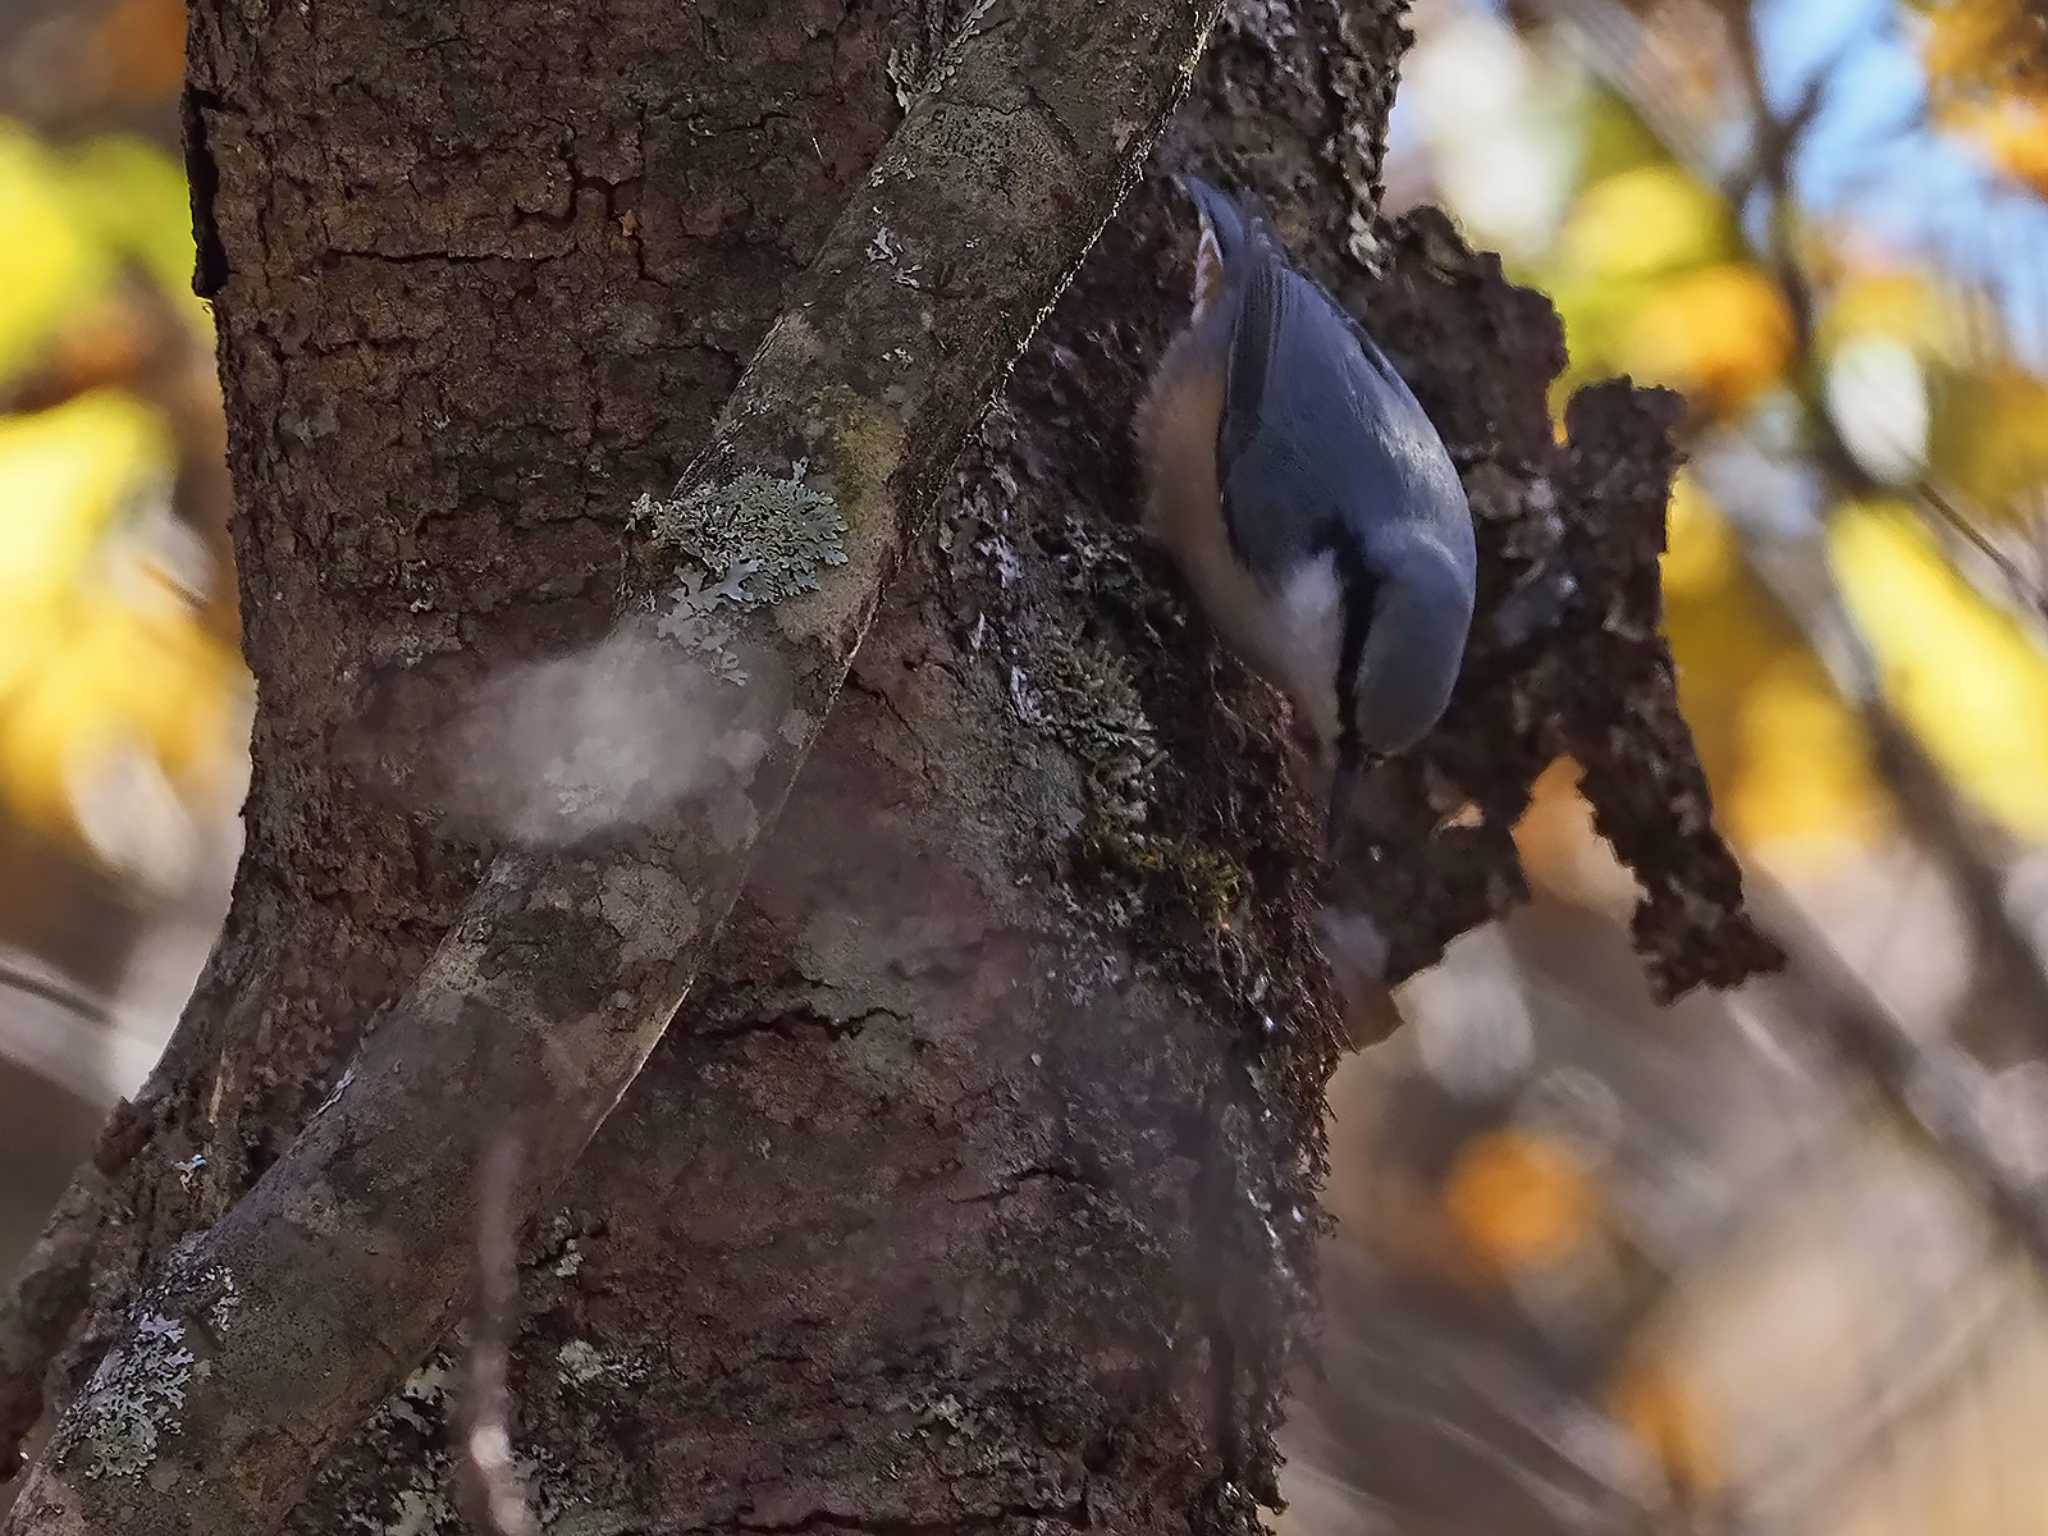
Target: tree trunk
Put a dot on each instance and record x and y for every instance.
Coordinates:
(974, 1184)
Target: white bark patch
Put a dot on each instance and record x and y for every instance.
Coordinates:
(557, 751)
(734, 821)
(579, 1363)
(134, 1399)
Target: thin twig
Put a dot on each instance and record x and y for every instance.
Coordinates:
(1936, 1090)
(20, 973)
(1795, 571)
(1799, 580)
(1799, 576)
(493, 1493)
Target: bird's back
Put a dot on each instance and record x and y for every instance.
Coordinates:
(1314, 412)
(1305, 494)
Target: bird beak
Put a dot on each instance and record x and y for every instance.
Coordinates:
(1343, 787)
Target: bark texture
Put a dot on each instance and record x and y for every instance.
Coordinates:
(568, 961)
(974, 1185)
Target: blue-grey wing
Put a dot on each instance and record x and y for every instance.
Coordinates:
(1321, 441)
(1264, 458)
(1406, 468)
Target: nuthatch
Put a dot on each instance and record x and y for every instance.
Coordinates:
(1307, 499)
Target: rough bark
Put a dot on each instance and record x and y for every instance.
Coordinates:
(974, 1185)
(568, 961)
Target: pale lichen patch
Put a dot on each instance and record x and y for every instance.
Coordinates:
(766, 535)
(406, 1437)
(734, 821)
(133, 1400)
(570, 1263)
(227, 1296)
(745, 542)
(797, 726)
(579, 1363)
(135, 1396)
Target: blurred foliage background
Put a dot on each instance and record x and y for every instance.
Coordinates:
(1824, 223)
(1597, 1265)
(124, 705)
(1767, 1261)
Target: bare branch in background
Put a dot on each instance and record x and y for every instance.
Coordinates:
(1615, 46)
(1937, 1091)
(1777, 141)
(1797, 575)
(1952, 521)
(24, 974)
(1809, 595)
(1796, 572)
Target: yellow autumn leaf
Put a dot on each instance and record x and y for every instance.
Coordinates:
(116, 703)
(1807, 789)
(1615, 136)
(135, 696)
(1901, 304)
(1991, 434)
(141, 49)
(1651, 1400)
(1645, 220)
(1596, 312)
(63, 475)
(48, 264)
(1787, 761)
(2011, 133)
(1700, 557)
(130, 198)
(1965, 677)
(1973, 41)
(1722, 334)
(1517, 1201)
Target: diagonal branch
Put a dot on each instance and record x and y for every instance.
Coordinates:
(275, 1333)
(1795, 573)
(1936, 1090)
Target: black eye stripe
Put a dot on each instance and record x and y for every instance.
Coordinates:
(1359, 594)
